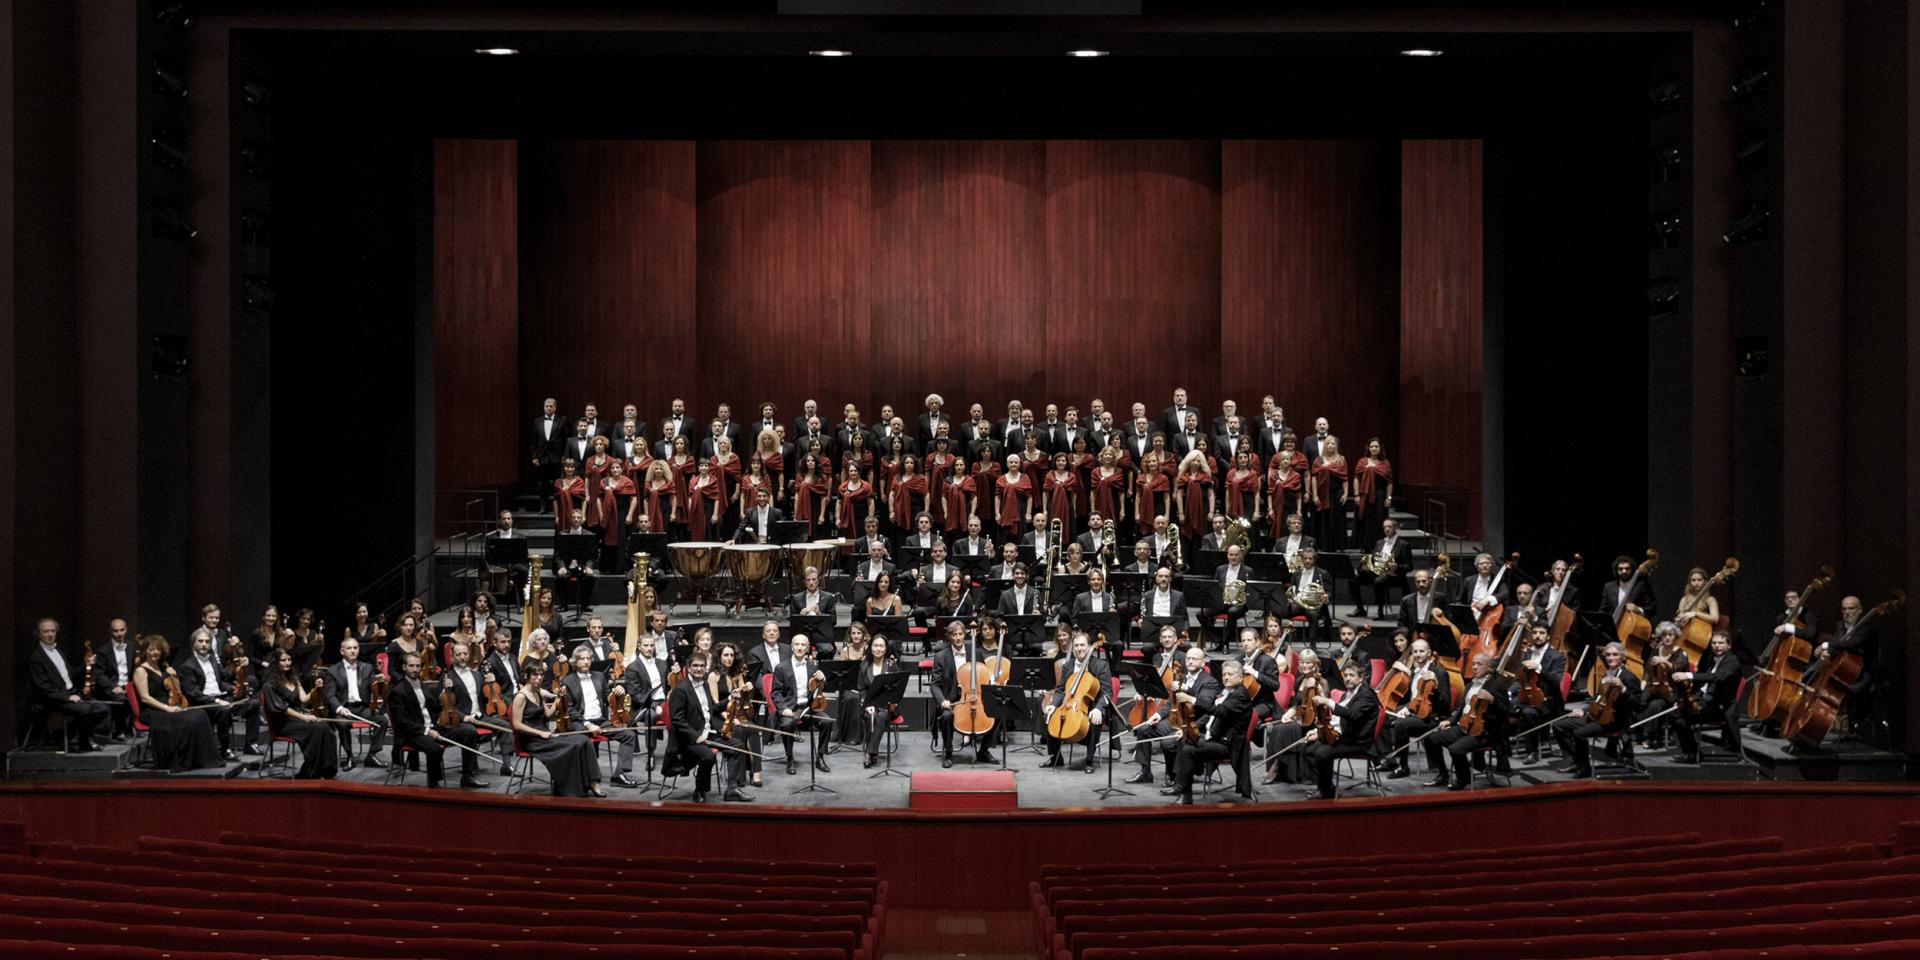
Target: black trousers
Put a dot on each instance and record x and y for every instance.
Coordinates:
(1168, 749)
(1225, 630)
(1091, 741)
(1323, 755)
(1404, 729)
(376, 731)
(876, 722)
(82, 717)
(819, 728)
(1191, 757)
(1573, 731)
(1453, 742)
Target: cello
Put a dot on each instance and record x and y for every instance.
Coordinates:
(1776, 687)
(1821, 697)
(1070, 721)
(1698, 633)
(1560, 618)
(969, 714)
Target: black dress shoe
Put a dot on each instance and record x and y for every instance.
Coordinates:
(1141, 778)
(1439, 780)
(250, 750)
(1170, 791)
(870, 760)
(1686, 760)
(1088, 768)
(983, 756)
(481, 783)
(1568, 768)
(1054, 761)
(1530, 759)
(228, 755)
(622, 780)
(1399, 773)
(1457, 785)
(820, 764)
(1502, 767)
(374, 761)
(1323, 794)
(735, 796)
(699, 798)
(946, 762)
(791, 769)
(1184, 800)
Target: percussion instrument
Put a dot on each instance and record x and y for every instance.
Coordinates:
(697, 561)
(751, 565)
(822, 556)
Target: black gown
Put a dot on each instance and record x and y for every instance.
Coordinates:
(319, 747)
(179, 741)
(570, 761)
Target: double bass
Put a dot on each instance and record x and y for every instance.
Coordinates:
(1560, 617)
(1821, 697)
(1631, 628)
(1776, 684)
(1698, 633)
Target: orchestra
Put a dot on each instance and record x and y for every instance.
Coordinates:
(942, 541)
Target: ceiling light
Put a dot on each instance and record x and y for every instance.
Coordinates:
(1088, 53)
(498, 51)
(830, 53)
(1421, 52)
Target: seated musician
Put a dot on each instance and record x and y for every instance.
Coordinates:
(1096, 598)
(1664, 655)
(876, 716)
(1156, 734)
(599, 647)
(810, 600)
(934, 575)
(570, 764)
(1080, 660)
(412, 710)
(947, 663)
(1284, 765)
(975, 543)
(1573, 730)
(179, 738)
(348, 684)
(1274, 637)
(1093, 543)
(922, 536)
(792, 707)
(1257, 663)
(1295, 539)
(502, 664)
(1714, 684)
(1142, 558)
(1163, 604)
(1319, 621)
(1020, 599)
(587, 690)
(1009, 558)
(1548, 666)
(1234, 570)
(288, 715)
(1418, 605)
(1450, 739)
(1395, 553)
(1222, 721)
(1357, 713)
(757, 525)
(470, 712)
(956, 600)
(1420, 667)
(117, 659)
(645, 679)
(875, 564)
(871, 537)
(206, 684)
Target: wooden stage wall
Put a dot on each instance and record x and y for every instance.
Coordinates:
(985, 270)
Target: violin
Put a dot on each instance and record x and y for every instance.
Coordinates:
(619, 707)
(1180, 714)
(1473, 720)
(316, 699)
(562, 722)
(377, 693)
(1311, 714)
(429, 658)
(737, 708)
(1601, 709)
(489, 688)
(449, 707)
(236, 655)
(175, 696)
(816, 692)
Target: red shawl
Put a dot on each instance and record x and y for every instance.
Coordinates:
(1010, 490)
(1063, 496)
(608, 503)
(1152, 484)
(566, 494)
(1371, 478)
(1241, 487)
(953, 502)
(1194, 487)
(1105, 492)
(749, 488)
(1284, 498)
(1323, 474)
(904, 490)
(659, 507)
(804, 493)
(850, 492)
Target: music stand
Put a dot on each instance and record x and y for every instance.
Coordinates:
(990, 594)
(909, 558)
(787, 531)
(1005, 702)
(841, 676)
(1028, 557)
(1267, 596)
(1463, 617)
(1113, 622)
(1206, 559)
(1031, 674)
(887, 688)
(652, 544)
(1268, 566)
(505, 553)
(893, 628)
(1201, 591)
(819, 628)
(974, 565)
(578, 551)
(1127, 587)
(1023, 631)
(1066, 586)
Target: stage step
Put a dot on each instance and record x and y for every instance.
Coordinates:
(1836, 760)
(53, 765)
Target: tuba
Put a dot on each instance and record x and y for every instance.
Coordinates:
(1237, 534)
(1106, 545)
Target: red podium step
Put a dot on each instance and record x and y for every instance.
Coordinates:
(963, 790)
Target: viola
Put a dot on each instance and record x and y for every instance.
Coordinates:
(236, 652)
(1601, 709)
(377, 693)
(562, 722)
(1420, 702)
(429, 658)
(1473, 720)
(1311, 714)
(490, 693)
(619, 708)
(175, 696)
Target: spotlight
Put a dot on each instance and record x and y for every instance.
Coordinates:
(1664, 96)
(168, 82)
(253, 93)
(1087, 53)
(1421, 52)
(257, 294)
(830, 53)
(168, 223)
(1752, 83)
(498, 51)
(167, 155)
(1752, 225)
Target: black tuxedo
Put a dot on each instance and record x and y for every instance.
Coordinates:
(1083, 602)
(504, 671)
(625, 738)
(1174, 420)
(749, 525)
(1269, 442)
(1573, 731)
(1502, 590)
(336, 691)
(1205, 689)
(1103, 682)
(51, 693)
(1176, 609)
(1410, 609)
(1216, 607)
(843, 436)
(577, 449)
(1240, 443)
(865, 572)
(680, 425)
(1183, 443)
(797, 602)
(687, 723)
(928, 425)
(1642, 597)
(790, 693)
(965, 548)
(1310, 445)
(1222, 718)
(1569, 598)
(1319, 623)
(548, 447)
(1006, 606)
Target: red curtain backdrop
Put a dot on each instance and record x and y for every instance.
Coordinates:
(1440, 318)
(476, 310)
(876, 271)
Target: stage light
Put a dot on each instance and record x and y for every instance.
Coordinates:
(1752, 225)
(1088, 53)
(830, 53)
(498, 51)
(1753, 82)
(1421, 52)
(253, 93)
(173, 15)
(257, 294)
(1666, 232)
(168, 81)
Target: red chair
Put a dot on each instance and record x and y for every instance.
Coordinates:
(142, 744)
(1378, 666)
(274, 738)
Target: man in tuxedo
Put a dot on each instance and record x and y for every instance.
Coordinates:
(1174, 418)
(1555, 592)
(630, 446)
(1319, 622)
(349, 682)
(1101, 428)
(578, 447)
(710, 444)
(1423, 670)
(645, 680)
(1614, 597)
(1080, 660)
(810, 600)
(1050, 431)
(896, 427)
(1257, 663)
(470, 708)
(792, 710)
(729, 427)
(1006, 430)
(695, 720)
(928, 422)
(872, 537)
(934, 575)
(922, 537)
(1216, 539)
(769, 422)
(1319, 436)
(876, 563)
(549, 446)
(1040, 538)
(1096, 598)
(207, 685)
(1357, 712)
(587, 702)
(1229, 410)
(810, 410)
(56, 688)
(1161, 539)
(1069, 431)
(663, 448)
(1009, 559)
(849, 425)
(676, 420)
(1197, 682)
(1019, 599)
(1222, 719)
(1142, 558)
(1230, 442)
(112, 669)
(975, 543)
(599, 647)
(1715, 680)
(1187, 438)
(1420, 602)
(1139, 439)
(1295, 539)
(1575, 729)
(596, 427)
(756, 526)
(1233, 571)
(1549, 665)
(1485, 588)
(1451, 741)
(1397, 554)
(945, 683)
(501, 663)
(1093, 546)
(1163, 604)
(411, 710)
(1272, 431)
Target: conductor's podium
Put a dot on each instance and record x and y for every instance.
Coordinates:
(963, 790)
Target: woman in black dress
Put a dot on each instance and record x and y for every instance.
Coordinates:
(850, 726)
(570, 761)
(729, 674)
(179, 738)
(287, 716)
(874, 716)
(407, 641)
